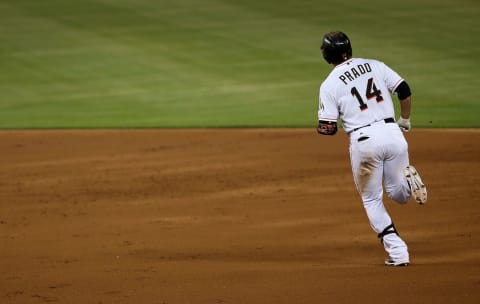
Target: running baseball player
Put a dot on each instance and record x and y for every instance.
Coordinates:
(357, 91)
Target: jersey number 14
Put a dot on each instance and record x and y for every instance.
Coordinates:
(370, 93)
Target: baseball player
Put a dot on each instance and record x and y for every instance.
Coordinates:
(357, 91)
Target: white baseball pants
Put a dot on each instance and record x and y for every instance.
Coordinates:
(380, 153)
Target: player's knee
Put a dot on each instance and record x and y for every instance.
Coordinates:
(398, 194)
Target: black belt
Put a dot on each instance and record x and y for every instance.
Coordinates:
(386, 120)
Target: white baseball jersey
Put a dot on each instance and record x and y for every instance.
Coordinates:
(358, 92)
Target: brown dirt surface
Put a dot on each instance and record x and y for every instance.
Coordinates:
(227, 216)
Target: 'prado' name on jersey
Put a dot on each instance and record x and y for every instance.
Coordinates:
(355, 72)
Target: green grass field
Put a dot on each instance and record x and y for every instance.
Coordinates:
(224, 63)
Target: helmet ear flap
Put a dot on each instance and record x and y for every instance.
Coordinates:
(327, 47)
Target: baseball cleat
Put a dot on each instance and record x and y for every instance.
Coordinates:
(391, 262)
(417, 187)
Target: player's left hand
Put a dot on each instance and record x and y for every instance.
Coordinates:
(404, 124)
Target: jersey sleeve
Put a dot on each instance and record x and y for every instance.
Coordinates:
(327, 109)
(391, 78)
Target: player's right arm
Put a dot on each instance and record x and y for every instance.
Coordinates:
(326, 127)
(327, 113)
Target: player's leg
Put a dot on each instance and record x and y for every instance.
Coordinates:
(381, 221)
(401, 179)
(367, 169)
(396, 161)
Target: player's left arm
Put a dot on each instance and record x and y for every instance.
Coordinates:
(405, 97)
(397, 85)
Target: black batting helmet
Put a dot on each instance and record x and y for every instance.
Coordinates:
(336, 47)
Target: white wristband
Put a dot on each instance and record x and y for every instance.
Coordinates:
(404, 124)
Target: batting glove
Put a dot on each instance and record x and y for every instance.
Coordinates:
(404, 124)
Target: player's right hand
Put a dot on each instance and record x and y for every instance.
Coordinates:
(404, 124)
(326, 127)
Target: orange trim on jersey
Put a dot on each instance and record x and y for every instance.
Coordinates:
(328, 119)
(397, 84)
(345, 62)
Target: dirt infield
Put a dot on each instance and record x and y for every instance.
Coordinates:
(227, 216)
